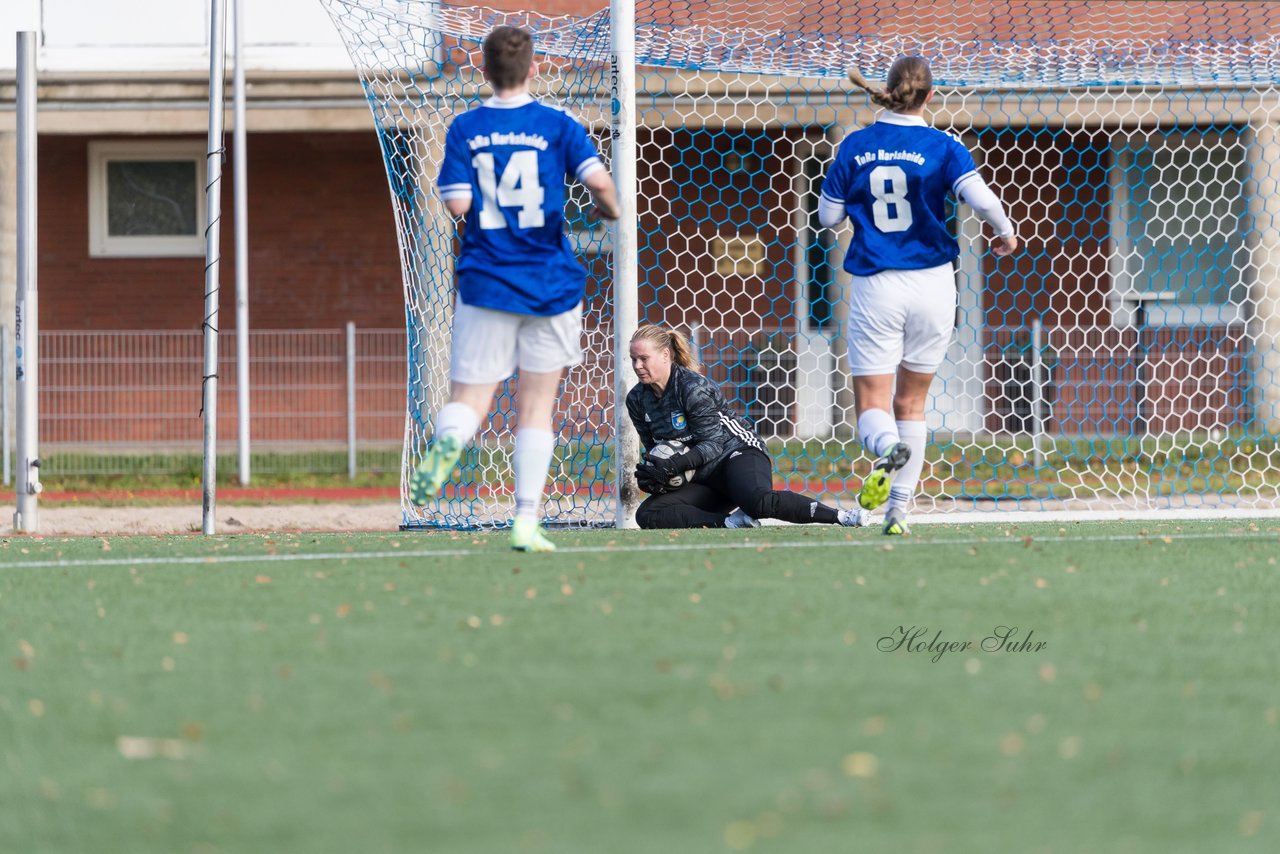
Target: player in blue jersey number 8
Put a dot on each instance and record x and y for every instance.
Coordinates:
(519, 286)
(891, 181)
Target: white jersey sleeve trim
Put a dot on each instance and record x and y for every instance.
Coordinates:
(831, 212)
(963, 179)
(588, 167)
(455, 191)
(973, 191)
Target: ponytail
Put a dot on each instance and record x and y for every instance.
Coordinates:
(666, 338)
(909, 83)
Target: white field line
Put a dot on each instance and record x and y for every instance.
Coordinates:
(876, 544)
(1181, 514)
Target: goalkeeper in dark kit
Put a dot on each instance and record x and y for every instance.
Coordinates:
(704, 466)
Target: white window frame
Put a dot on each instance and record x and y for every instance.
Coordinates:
(104, 245)
(1160, 308)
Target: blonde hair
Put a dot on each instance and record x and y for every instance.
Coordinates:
(909, 83)
(665, 338)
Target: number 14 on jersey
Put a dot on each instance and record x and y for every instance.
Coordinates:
(518, 187)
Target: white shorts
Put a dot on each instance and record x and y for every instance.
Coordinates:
(488, 345)
(901, 318)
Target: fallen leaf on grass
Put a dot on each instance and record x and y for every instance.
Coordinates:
(739, 835)
(145, 747)
(382, 682)
(863, 765)
(1251, 823)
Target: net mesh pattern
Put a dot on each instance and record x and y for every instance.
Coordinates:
(1126, 357)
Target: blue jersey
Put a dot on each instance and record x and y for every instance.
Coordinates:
(892, 179)
(511, 158)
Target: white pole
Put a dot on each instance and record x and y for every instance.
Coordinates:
(213, 244)
(351, 400)
(241, 185)
(622, 41)
(26, 326)
(1037, 392)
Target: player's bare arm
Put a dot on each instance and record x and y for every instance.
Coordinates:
(1006, 245)
(604, 195)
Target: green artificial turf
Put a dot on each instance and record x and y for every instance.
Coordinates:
(675, 692)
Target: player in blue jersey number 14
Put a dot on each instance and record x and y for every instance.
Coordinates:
(519, 286)
(891, 180)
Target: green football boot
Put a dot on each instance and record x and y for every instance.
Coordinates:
(875, 489)
(435, 469)
(895, 522)
(527, 536)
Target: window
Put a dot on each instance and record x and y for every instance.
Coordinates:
(1177, 225)
(146, 199)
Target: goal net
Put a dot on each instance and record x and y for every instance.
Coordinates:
(1127, 358)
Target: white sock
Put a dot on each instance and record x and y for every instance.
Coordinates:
(903, 485)
(534, 449)
(878, 431)
(459, 419)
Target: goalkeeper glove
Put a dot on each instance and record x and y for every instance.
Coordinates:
(666, 467)
(649, 480)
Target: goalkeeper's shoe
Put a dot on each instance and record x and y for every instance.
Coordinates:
(434, 470)
(527, 536)
(856, 518)
(875, 489)
(895, 522)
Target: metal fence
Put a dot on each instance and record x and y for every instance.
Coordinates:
(330, 401)
(129, 402)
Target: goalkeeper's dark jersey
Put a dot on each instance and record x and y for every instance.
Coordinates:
(692, 410)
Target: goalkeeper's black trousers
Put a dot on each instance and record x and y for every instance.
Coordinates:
(744, 480)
